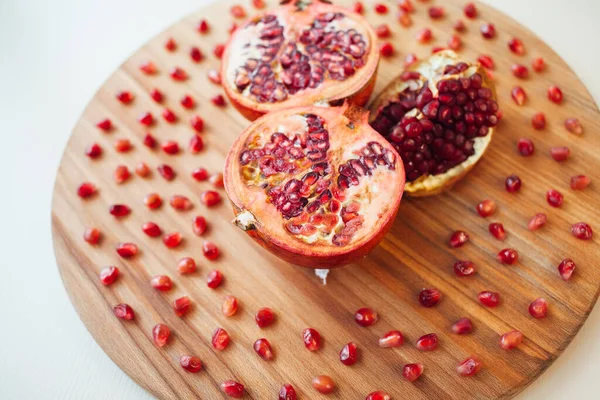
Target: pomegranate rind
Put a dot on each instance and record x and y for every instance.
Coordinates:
(431, 69)
(264, 223)
(357, 89)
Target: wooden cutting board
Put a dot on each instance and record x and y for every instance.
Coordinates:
(414, 255)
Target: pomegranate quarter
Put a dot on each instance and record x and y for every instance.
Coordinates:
(302, 53)
(315, 186)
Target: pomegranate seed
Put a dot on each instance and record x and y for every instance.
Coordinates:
(197, 123)
(511, 339)
(220, 339)
(149, 141)
(436, 12)
(555, 94)
(383, 31)
(218, 100)
(122, 145)
(386, 49)
(233, 389)
(406, 6)
(124, 311)
(142, 170)
(259, 4)
(216, 180)
(358, 7)
(573, 126)
(152, 201)
(512, 184)
(91, 235)
(459, 26)
(180, 202)
(538, 64)
(196, 55)
(525, 147)
(518, 95)
(148, 67)
(566, 268)
(488, 31)
(486, 208)
(455, 42)
(537, 221)
(214, 76)
(94, 151)
(464, 268)
(462, 326)
(312, 339)
(580, 182)
(146, 119)
(186, 265)
(323, 384)
(489, 299)
(199, 225)
(105, 125)
(187, 101)
(427, 342)
(391, 339)
(238, 11)
(582, 231)
(190, 363)
(497, 230)
(169, 116)
(86, 190)
(218, 50)
(121, 174)
(429, 297)
(109, 275)
(264, 317)
(287, 392)
(119, 210)
(166, 172)
(202, 26)
(160, 334)
(516, 46)
(170, 44)
(262, 347)
(156, 95)
(200, 174)
(365, 317)
(404, 19)
(470, 10)
(181, 306)
(178, 74)
(469, 367)
(560, 153)
(486, 61)
(348, 354)
(214, 279)
(538, 121)
(538, 308)
(508, 256)
(210, 198)
(437, 49)
(458, 238)
(381, 8)
(412, 372)
(127, 250)
(172, 240)
(410, 59)
(161, 282)
(554, 198)
(378, 395)
(520, 71)
(151, 229)
(125, 97)
(424, 35)
(210, 250)
(196, 144)
(230, 306)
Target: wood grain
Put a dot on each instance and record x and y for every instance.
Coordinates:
(414, 255)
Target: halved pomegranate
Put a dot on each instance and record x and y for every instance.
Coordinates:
(302, 53)
(440, 115)
(315, 186)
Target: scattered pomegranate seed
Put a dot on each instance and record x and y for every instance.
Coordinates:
(170, 44)
(537, 221)
(259, 4)
(157, 95)
(573, 126)
(151, 229)
(566, 268)
(412, 372)
(383, 31)
(464, 268)
(429, 297)
(391, 339)
(424, 35)
(470, 10)
(161, 282)
(516, 46)
(91, 235)
(210, 198)
(512, 184)
(210, 250)
(233, 389)
(199, 225)
(142, 169)
(264, 317)
(486, 61)
(580, 182)
(214, 279)
(525, 147)
(218, 100)
(148, 67)
(497, 230)
(166, 172)
(365, 317)
(518, 95)
(121, 174)
(105, 125)
(358, 7)
(230, 306)
(180, 202)
(455, 42)
(560, 153)
(172, 240)
(109, 275)
(381, 8)
(196, 144)
(218, 50)
(178, 74)
(146, 119)
(386, 49)
(124, 97)
(349, 354)
(554, 198)
(469, 367)
(511, 339)
(410, 59)
(462, 326)
(582, 231)
(86, 190)
(169, 116)
(437, 49)
(122, 145)
(427, 342)
(538, 121)
(323, 384)
(197, 123)
(127, 250)
(488, 31)
(508, 256)
(93, 151)
(186, 265)
(160, 334)
(538, 64)
(191, 363)
(489, 299)
(458, 239)
(119, 210)
(203, 26)
(149, 141)
(406, 6)
(262, 347)
(459, 26)
(436, 12)
(520, 71)
(311, 338)
(214, 76)
(200, 174)
(196, 55)
(538, 308)
(181, 306)
(287, 392)
(486, 208)
(220, 339)
(152, 201)
(124, 311)
(555, 94)
(404, 19)
(187, 101)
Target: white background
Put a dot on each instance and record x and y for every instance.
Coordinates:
(54, 54)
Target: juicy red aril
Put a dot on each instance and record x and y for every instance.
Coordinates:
(169, 116)
(199, 225)
(202, 26)
(458, 238)
(190, 363)
(424, 35)
(152, 201)
(214, 76)
(554, 198)
(170, 44)
(262, 347)
(386, 49)
(229, 306)
(108, 275)
(574, 126)
(218, 100)
(160, 334)
(196, 144)
(358, 7)
(470, 10)
(412, 372)
(537, 221)
(156, 95)
(210, 250)
(464, 268)
(520, 71)
(94, 151)
(197, 123)
(582, 231)
(311, 338)
(216, 180)
(429, 297)
(404, 19)
(488, 31)
(486, 61)
(555, 95)
(214, 279)
(287, 392)
(454, 42)
(180, 202)
(210, 198)
(469, 367)
(195, 54)
(486, 208)
(406, 6)
(151, 229)
(512, 183)
(437, 49)
(186, 265)
(122, 145)
(149, 141)
(181, 306)
(580, 182)
(365, 316)
(489, 299)
(383, 31)
(218, 50)
(125, 97)
(459, 26)
(91, 235)
(497, 230)
(105, 125)
(146, 119)
(518, 95)
(381, 8)
(119, 210)
(233, 389)
(525, 147)
(220, 339)
(508, 256)
(462, 326)
(264, 317)
(161, 282)
(511, 339)
(259, 4)
(349, 354)
(148, 67)
(142, 169)
(538, 64)
(566, 268)
(178, 74)
(538, 121)
(172, 240)
(166, 172)
(323, 384)
(127, 250)
(427, 342)
(436, 12)
(560, 153)
(121, 174)
(538, 308)
(124, 311)
(391, 339)
(188, 101)
(237, 11)
(516, 46)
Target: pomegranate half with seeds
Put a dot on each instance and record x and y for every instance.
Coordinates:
(315, 186)
(302, 53)
(440, 115)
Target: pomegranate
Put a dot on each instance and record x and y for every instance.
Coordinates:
(538, 308)
(412, 372)
(462, 326)
(469, 367)
(233, 389)
(322, 194)
(301, 53)
(349, 354)
(391, 339)
(440, 115)
(312, 339)
(511, 339)
(287, 392)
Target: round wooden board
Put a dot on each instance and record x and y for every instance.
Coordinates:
(414, 255)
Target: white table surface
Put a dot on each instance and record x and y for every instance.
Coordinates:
(54, 55)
